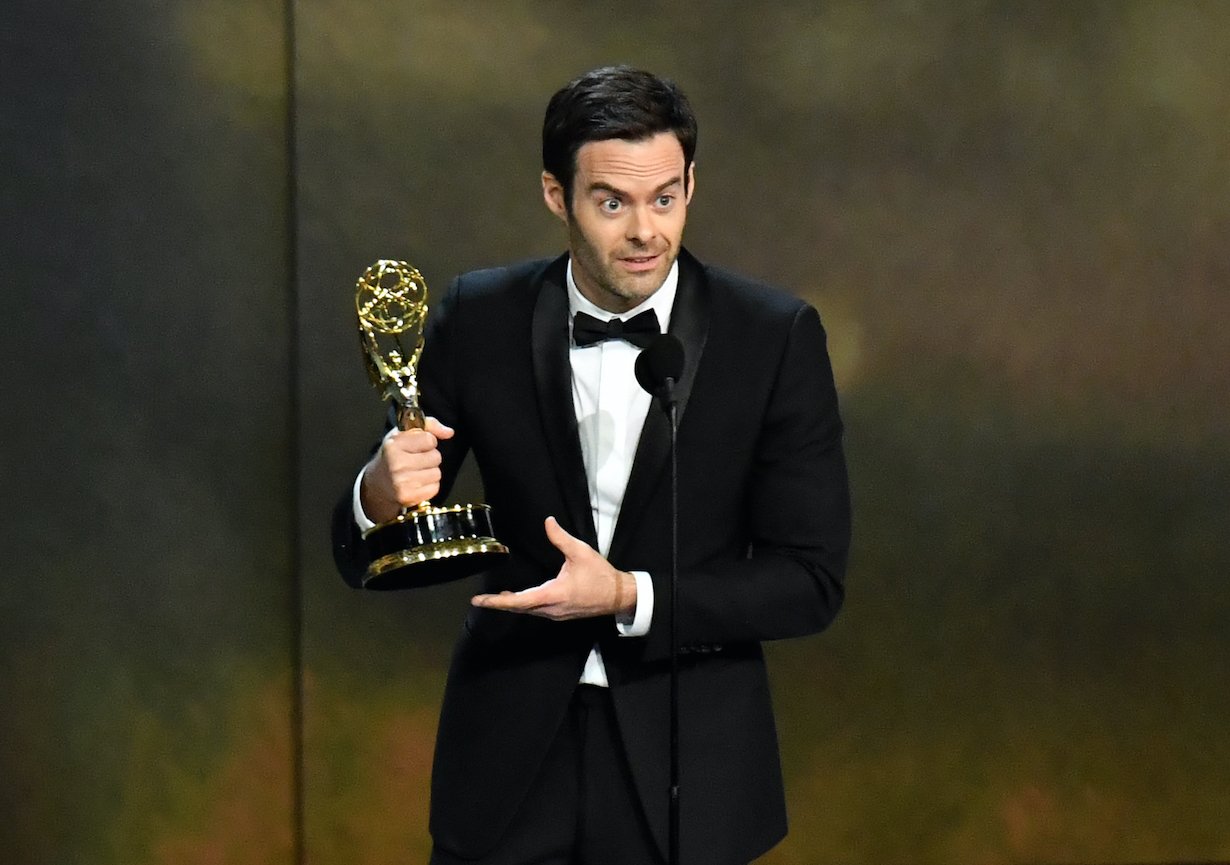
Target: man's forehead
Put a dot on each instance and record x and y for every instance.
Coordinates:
(653, 160)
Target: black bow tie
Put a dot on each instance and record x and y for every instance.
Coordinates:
(639, 330)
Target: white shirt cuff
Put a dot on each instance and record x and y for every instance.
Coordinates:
(639, 626)
(361, 520)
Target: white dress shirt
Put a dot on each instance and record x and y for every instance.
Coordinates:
(610, 408)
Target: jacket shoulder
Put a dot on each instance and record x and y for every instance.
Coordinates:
(752, 297)
(509, 277)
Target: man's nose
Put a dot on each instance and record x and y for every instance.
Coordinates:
(641, 227)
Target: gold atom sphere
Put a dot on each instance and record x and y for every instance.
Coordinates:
(391, 296)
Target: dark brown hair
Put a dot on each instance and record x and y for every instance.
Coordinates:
(613, 102)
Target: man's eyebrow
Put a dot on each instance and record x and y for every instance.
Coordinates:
(674, 181)
(599, 186)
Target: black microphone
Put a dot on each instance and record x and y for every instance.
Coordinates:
(659, 366)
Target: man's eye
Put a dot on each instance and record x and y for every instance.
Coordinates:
(665, 200)
(610, 205)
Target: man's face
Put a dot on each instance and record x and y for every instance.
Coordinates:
(627, 216)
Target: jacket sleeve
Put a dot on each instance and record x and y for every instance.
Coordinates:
(796, 511)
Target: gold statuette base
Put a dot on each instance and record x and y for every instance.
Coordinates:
(430, 545)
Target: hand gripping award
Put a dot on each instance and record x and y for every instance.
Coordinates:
(423, 545)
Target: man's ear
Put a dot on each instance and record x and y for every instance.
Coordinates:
(691, 182)
(553, 195)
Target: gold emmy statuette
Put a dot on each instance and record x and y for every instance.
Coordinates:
(423, 545)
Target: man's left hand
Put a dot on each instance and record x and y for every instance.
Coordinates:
(586, 586)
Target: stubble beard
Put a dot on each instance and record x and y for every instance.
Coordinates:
(623, 291)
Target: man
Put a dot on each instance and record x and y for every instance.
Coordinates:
(553, 741)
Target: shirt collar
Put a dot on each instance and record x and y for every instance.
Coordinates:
(661, 301)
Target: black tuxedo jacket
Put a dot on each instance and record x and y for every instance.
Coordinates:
(763, 538)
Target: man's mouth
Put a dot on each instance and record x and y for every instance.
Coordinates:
(640, 262)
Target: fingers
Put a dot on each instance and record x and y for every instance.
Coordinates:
(415, 445)
(524, 601)
(411, 461)
(419, 440)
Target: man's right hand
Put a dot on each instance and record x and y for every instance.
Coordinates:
(404, 472)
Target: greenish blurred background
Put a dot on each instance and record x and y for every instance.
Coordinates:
(1013, 217)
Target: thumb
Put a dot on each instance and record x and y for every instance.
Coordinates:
(438, 429)
(560, 539)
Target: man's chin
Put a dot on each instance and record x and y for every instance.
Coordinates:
(636, 288)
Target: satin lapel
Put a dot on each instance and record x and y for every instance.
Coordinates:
(553, 379)
(690, 323)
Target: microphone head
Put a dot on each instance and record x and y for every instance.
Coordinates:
(661, 362)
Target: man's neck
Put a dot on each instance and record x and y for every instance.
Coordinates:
(661, 301)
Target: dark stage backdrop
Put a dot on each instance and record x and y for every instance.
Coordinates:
(1012, 216)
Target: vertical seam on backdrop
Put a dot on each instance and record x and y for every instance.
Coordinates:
(294, 442)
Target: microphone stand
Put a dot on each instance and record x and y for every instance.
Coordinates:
(657, 369)
(668, 403)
